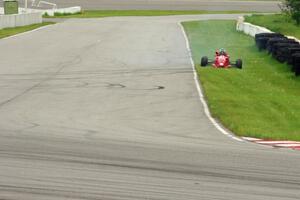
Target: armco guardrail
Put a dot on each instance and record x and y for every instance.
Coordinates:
(9, 21)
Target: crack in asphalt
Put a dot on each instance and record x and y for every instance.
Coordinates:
(77, 60)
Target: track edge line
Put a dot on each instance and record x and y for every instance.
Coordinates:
(28, 32)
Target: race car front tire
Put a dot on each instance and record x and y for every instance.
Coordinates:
(239, 63)
(204, 61)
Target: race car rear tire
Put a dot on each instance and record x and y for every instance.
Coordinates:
(204, 61)
(239, 63)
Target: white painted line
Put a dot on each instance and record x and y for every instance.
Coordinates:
(200, 93)
(28, 32)
(251, 139)
(277, 142)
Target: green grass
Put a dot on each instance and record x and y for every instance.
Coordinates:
(6, 32)
(261, 100)
(277, 23)
(113, 13)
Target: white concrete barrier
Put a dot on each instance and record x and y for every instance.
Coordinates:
(292, 37)
(9, 21)
(252, 30)
(49, 12)
(21, 10)
(71, 10)
(31, 16)
(249, 28)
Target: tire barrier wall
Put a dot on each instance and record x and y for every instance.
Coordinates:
(10, 21)
(282, 48)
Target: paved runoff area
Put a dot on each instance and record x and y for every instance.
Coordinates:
(244, 5)
(108, 109)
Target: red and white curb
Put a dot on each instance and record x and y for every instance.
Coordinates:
(278, 144)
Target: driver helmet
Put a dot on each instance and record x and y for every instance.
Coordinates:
(222, 51)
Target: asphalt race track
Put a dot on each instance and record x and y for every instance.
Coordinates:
(108, 109)
(244, 5)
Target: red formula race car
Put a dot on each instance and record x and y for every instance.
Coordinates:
(222, 60)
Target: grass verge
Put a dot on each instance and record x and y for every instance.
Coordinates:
(261, 100)
(277, 23)
(6, 32)
(114, 13)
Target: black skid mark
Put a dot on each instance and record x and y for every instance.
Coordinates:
(156, 88)
(115, 85)
(151, 89)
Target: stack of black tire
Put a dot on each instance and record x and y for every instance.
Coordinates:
(281, 48)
